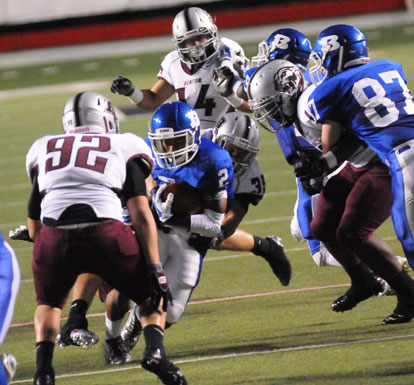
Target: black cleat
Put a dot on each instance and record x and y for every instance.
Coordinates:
(403, 313)
(131, 331)
(155, 361)
(278, 260)
(116, 352)
(44, 379)
(357, 294)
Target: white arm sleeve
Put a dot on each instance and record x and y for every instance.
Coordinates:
(207, 224)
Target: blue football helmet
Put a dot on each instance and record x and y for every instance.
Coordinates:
(285, 43)
(336, 48)
(174, 134)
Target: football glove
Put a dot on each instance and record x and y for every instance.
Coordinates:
(223, 80)
(163, 207)
(220, 237)
(122, 86)
(312, 186)
(21, 233)
(310, 166)
(160, 289)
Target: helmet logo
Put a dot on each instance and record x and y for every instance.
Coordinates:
(280, 41)
(194, 119)
(287, 80)
(330, 42)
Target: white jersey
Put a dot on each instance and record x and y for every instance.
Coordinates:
(312, 131)
(84, 169)
(194, 85)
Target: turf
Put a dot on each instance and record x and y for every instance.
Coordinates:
(259, 332)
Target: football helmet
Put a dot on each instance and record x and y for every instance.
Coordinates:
(89, 112)
(336, 48)
(174, 134)
(195, 35)
(238, 130)
(273, 92)
(285, 43)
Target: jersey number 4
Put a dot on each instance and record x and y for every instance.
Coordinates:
(62, 150)
(202, 102)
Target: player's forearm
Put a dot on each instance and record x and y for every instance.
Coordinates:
(34, 226)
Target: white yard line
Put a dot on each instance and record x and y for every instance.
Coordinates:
(233, 355)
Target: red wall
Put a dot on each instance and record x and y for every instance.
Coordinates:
(225, 19)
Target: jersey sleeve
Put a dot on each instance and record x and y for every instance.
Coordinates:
(137, 150)
(164, 72)
(32, 159)
(321, 102)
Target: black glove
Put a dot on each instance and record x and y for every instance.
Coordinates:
(21, 233)
(310, 166)
(199, 243)
(122, 86)
(220, 237)
(312, 186)
(160, 287)
(223, 80)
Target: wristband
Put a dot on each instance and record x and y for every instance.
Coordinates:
(136, 96)
(331, 159)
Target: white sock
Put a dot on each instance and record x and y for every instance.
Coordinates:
(113, 328)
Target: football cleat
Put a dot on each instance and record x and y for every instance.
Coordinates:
(78, 337)
(403, 313)
(44, 379)
(155, 361)
(115, 351)
(357, 294)
(278, 260)
(9, 363)
(131, 331)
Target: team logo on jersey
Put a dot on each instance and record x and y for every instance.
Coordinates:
(280, 41)
(288, 79)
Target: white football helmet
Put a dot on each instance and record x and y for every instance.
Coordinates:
(238, 130)
(189, 27)
(89, 112)
(273, 92)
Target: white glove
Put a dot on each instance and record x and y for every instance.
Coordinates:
(163, 207)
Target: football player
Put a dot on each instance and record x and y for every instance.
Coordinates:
(292, 45)
(352, 204)
(188, 70)
(9, 286)
(370, 100)
(75, 220)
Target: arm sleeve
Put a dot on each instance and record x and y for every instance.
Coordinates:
(135, 180)
(33, 207)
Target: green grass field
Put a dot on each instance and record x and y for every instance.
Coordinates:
(242, 327)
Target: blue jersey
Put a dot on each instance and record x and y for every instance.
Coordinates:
(372, 101)
(211, 171)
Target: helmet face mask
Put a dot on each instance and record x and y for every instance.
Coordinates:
(338, 47)
(195, 35)
(89, 112)
(239, 134)
(174, 135)
(273, 93)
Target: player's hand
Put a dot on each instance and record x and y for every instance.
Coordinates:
(163, 207)
(122, 86)
(312, 186)
(20, 233)
(223, 80)
(308, 167)
(220, 237)
(160, 289)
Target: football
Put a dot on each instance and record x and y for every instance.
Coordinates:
(187, 199)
